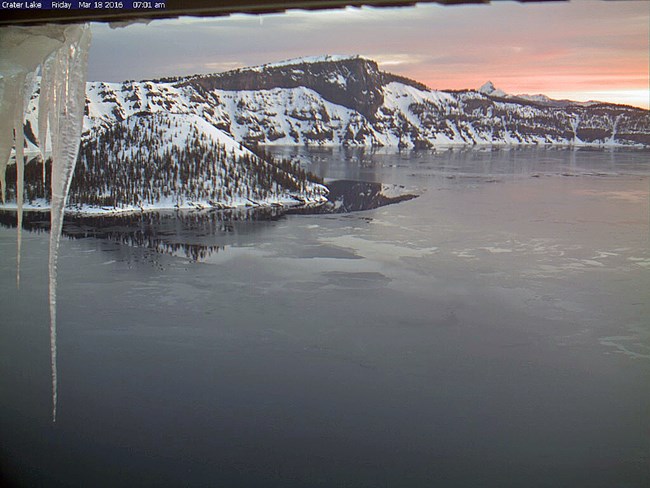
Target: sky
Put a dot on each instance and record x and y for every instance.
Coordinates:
(581, 49)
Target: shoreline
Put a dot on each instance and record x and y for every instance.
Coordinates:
(90, 211)
(352, 195)
(36, 154)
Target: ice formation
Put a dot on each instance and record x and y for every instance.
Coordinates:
(44, 100)
(61, 53)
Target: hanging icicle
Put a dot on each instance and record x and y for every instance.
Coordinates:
(8, 102)
(69, 99)
(25, 89)
(62, 52)
(19, 136)
(44, 102)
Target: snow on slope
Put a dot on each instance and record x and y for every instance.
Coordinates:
(108, 102)
(407, 115)
(187, 123)
(182, 161)
(176, 161)
(281, 116)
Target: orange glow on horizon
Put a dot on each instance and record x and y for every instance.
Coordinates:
(632, 89)
(632, 86)
(586, 48)
(579, 50)
(623, 79)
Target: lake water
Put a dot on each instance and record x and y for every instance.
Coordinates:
(493, 332)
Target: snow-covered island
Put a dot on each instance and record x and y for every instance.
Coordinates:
(164, 161)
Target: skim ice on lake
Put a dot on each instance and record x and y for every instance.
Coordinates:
(493, 331)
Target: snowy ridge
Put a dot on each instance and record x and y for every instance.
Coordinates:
(327, 58)
(345, 100)
(490, 90)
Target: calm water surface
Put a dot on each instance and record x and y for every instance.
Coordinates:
(493, 332)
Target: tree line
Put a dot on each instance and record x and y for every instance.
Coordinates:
(147, 160)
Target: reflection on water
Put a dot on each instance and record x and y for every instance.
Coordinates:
(354, 196)
(491, 332)
(191, 233)
(387, 165)
(197, 234)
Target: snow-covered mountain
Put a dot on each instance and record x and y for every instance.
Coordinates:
(339, 100)
(348, 101)
(490, 90)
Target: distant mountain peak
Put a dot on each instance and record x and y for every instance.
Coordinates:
(489, 89)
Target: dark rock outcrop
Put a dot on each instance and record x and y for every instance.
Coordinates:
(354, 82)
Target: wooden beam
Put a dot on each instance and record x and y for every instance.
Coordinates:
(177, 8)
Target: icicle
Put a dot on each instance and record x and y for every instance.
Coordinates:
(63, 52)
(8, 100)
(19, 117)
(3, 172)
(69, 82)
(25, 89)
(44, 103)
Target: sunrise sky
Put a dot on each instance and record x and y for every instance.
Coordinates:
(582, 49)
